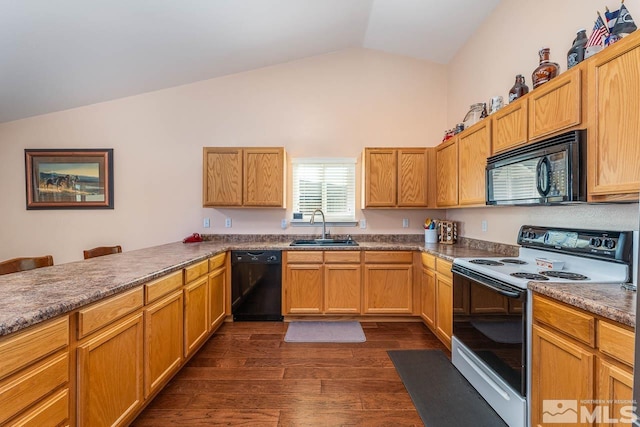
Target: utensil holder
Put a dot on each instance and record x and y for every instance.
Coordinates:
(431, 236)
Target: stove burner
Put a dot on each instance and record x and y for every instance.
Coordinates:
(485, 262)
(529, 276)
(564, 275)
(513, 261)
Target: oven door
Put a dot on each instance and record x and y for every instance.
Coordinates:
(490, 319)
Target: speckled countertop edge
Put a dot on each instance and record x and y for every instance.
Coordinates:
(31, 297)
(610, 301)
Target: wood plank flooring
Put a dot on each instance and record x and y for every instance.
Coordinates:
(246, 375)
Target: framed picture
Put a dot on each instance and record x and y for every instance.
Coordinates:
(69, 179)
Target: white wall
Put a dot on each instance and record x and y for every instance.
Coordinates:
(505, 45)
(331, 105)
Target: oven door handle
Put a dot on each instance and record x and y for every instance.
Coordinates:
(503, 292)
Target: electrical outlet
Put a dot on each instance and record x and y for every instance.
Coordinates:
(283, 223)
(227, 222)
(405, 222)
(484, 225)
(363, 223)
(206, 223)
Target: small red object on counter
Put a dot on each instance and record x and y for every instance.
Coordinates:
(194, 238)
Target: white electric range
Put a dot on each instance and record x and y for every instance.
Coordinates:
(491, 325)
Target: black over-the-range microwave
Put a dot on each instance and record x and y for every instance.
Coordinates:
(547, 172)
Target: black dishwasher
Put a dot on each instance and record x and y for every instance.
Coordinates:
(256, 285)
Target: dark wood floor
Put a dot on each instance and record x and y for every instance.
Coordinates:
(247, 375)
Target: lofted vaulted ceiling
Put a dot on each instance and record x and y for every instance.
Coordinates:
(61, 54)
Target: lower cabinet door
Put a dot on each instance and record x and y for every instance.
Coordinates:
(196, 320)
(303, 289)
(342, 289)
(388, 289)
(217, 298)
(615, 390)
(163, 340)
(560, 370)
(444, 309)
(428, 297)
(110, 372)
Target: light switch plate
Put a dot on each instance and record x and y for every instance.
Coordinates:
(363, 223)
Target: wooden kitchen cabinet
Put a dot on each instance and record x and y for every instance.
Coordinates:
(342, 282)
(437, 303)
(474, 146)
(428, 297)
(577, 355)
(447, 173)
(163, 341)
(395, 177)
(613, 169)
(510, 126)
(322, 282)
(217, 297)
(557, 105)
(561, 370)
(444, 305)
(243, 177)
(196, 312)
(110, 373)
(388, 282)
(34, 375)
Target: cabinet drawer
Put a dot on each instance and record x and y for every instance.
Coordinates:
(26, 388)
(388, 257)
(162, 286)
(50, 413)
(616, 342)
(217, 261)
(304, 257)
(26, 347)
(99, 315)
(194, 271)
(569, 321)
(429, 261)
(342, 257)
(444, 267)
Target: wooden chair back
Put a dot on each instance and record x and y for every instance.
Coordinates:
(102, 250)
(27, 263)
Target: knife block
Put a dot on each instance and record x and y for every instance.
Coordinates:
(447, 232)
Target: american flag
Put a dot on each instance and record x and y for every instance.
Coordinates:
(599, 31)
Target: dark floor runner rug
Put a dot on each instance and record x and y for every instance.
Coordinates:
(442, 396)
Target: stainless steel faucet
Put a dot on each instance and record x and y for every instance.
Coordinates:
(324, 223)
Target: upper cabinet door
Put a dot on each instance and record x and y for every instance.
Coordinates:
(380, 180)
(474, 146)
(510, 126)
(264, 177)
(614, 124)
(222, 181)
(447, 173)
(556, 105)
(412, 177)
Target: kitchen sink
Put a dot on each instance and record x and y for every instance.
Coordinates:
(324, 242)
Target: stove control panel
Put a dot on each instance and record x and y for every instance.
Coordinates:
(600, 244)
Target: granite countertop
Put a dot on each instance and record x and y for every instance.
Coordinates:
(34, 296)
(610, 301)
(30, 297)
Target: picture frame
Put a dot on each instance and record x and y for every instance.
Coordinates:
(69, 178)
